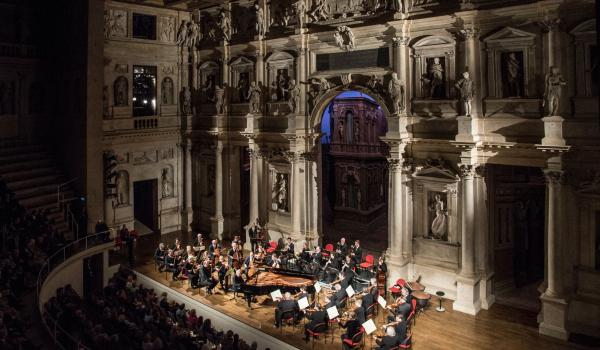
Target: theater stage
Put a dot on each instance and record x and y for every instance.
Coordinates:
(501, 327)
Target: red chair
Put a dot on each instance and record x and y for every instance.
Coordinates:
(272, 247)
(330, 325)
(368, 263)
(319, 330)
(413, 309)
(356, 341)
(328, 249)
(406, 344)
(400, 283)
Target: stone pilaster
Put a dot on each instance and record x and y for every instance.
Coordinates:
(467, 282)
(550, 28)
(401, 55)
(470, 34)
(217, 219)
(483, 242)
(188, 211)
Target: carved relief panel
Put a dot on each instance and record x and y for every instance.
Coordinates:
(242, 74)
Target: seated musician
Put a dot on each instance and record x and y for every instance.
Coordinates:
(406, 293)
(341, 247)
(212, 248)
(317, 318)
(346, 278)
(356, 253)
(399, 307)
(206, 279)
(189, 251)
(178, 248)
(305, 254)
(193, 271)
(260, 254)
(389, 341)
(286, 306)
(359, 311)
(172, 264)
(400, 328)
(317, 256)
(223, 269)
(239, 286)
(340, 296)
(352, 326)
(249, 261)
(290, 247)
(199, 243)
(371, 297)
(159, 256)
(275, 261)
(238, 240)
(235, 254)
(348, 264)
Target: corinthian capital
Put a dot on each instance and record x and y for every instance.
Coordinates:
(554, 177)
(469, 32)
(402, 40)
(466, 170)
(549, 24)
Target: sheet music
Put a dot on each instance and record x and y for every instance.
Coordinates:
(332, 312)
(369, 326)
(350, 291)
(276, 294)
(382, 301)
(303, 303)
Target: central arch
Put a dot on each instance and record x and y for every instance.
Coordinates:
(351, 178)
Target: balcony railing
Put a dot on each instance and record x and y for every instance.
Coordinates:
(145, 123)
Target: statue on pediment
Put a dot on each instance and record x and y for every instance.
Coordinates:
(344, 38)
(396, 93)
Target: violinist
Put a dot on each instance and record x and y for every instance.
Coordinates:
(348, 264)
(260, 255)
(275, 261)
(352, 326)
(214, 247)
(171, 264)
(305, 255)
(223, 269)
(399, 307)
(359, 311)
(159, 256)
(389, 341)
(289, 247)
(316, 318)
(178, 247)
(249, 261)
(400, 327)
(206, 279)
(199, 243)
(371, 297)
(235, 255)
(340, 296)
(285, 306)
(317, 256)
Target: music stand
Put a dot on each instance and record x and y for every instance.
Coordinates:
(440, 295)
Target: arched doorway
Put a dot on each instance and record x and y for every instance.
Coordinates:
(353, 176)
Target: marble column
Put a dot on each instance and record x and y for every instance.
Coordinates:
(473, 66)
(467, 282)
(483, 242)
(297, 194)
(189, 212)
(401, 66)
(217, 219)
(554, 304)
(550, 28)
(254, 183)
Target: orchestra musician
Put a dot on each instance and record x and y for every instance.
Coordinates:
(389, 341)
(359, 311)
(316, 318)
(172, 265)
(340, 296)
(341, 247)
(274, 261)
(199, 243)
(352, 326)
(206, 279)
(289, 247)
(346, 278)
(305, 254)
(371, 297)
(223, 269)
(260, 255)
(239, 285)
(400, 327)
(253, 234)
(317, 255)
(249, 261)
(159, 256)
(286, 306)
(356, 252)
(348, 265)
(399, 307)
(214, 247)
(235, 255)
(178, 247)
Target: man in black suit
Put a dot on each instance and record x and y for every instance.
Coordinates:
(359, 311)
(159, 256)
(346, 278)
(318, 322)
(290, 246)
(389, 341)
(403, 309)
(340, 296)
(285, 307)
(239, 286)
(400, 328)
(356, 252)
(171, 264)
(341, 247)
(352, 326)
(206, 279)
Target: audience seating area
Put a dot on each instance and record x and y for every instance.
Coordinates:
(126, 315)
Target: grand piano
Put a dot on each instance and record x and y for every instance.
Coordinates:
(266, 280)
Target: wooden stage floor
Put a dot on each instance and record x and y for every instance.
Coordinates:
(501, 327)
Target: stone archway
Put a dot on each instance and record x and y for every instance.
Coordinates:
(363, 203)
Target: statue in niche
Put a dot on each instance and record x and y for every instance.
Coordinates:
(512, 75)
(344, 38)
(439, 224)
(320, 10)
(280, 193)
(167, 182)
(299, 10)
(273, 91)
(282, 84)
(121, 91)
(466, 89)
(396, 93)
(219, 99)
(167, 91)
(224, 24)
(340, 131)
(105, 103)
(122, 186)
(293, 96)
(554, 84)
(188, 34)
(375, 84)
(254, 98)
(186, 104)
(435, 78)
(209, 88)
(260, 21)
(395, 5)
(243, 87)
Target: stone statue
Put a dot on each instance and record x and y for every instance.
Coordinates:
(167, 28)
(395, 5)
(122, 186)
(254, 97)
(344, 38)
(438, 225)
(324, 86)
(282, 85)
(182, 33)
(513, 72)
(293, 96)
(435, 73)
(375, 84)
(167, 91)
(280, 193)
(120, 91)
(299, 10)
(186, 104)
(356, 131)
(466, 89)
(396, 92)
(260, 21)
(225, 25)
(115, 23)
(554, 84)
(219, 99)
(320, 10)
(243, 89)
(167, 182)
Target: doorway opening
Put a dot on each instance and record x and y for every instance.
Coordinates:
(145, 206)
(517, 216)
(354, 176)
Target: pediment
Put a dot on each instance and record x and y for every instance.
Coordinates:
(587, 27)
(241, 61)
(510, 34)
(433, 40)
(280, 56)
(209, 65)
(438, 172)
